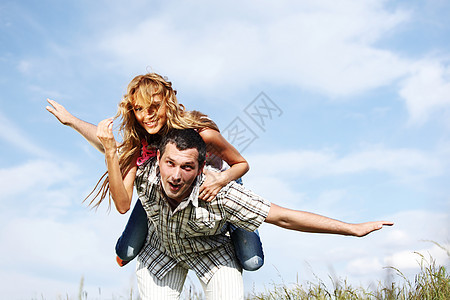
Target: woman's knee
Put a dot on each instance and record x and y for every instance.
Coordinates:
(253, 263)
(125, 251)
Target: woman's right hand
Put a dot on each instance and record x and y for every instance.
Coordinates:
(106, 136)
(60, 112)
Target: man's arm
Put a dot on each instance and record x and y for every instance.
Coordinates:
(87, 130)
(310, 222)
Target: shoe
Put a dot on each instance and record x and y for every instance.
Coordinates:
(121, 262)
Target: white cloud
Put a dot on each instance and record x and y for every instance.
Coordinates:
(299, 256)
(401, 163)
(46, 183)
(427, 90)
(414, 227)
(55, 254)
(318, 45)
(403, 246)
(49, 239)
(37, 288)
(322, 46)
(413, 259)
(275, 189)
(408, 262)
(39, 187)
(365, 266)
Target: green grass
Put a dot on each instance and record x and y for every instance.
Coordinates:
(432, 282)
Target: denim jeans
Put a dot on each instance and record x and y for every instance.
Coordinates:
(133, 237)
(248, 247)
(247, 244)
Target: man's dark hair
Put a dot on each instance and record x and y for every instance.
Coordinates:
(185, 139)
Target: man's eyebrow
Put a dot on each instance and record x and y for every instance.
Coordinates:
(168, 158)
(185, 163)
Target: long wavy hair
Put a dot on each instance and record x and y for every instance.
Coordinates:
(143, 89)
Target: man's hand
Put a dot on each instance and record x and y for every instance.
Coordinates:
(214, 181)
(59, 112)
(364, 229)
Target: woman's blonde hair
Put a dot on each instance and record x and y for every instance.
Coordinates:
(144, 89)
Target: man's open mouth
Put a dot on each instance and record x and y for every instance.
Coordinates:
(174, 187)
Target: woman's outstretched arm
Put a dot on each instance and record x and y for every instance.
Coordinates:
(87, 130)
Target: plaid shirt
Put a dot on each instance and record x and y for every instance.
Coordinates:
(195, 234)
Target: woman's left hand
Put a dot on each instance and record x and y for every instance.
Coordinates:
(213, 183)
(106, 136)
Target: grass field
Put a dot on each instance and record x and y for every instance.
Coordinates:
(431, 282)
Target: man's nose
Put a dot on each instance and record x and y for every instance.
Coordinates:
(176, 176)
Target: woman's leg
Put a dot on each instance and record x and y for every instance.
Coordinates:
(134, 235)
(248, 248)
(247, 245)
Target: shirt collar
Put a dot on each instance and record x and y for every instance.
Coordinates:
(193, 197)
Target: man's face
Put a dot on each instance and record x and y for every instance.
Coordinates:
(178, 169)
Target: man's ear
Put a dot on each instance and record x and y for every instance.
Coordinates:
(200, 168)
(158, 155)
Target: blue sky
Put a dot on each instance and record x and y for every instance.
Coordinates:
(360, 130)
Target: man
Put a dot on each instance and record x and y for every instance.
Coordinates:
(185, 233)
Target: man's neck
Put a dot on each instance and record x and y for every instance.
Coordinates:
(172, 203)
